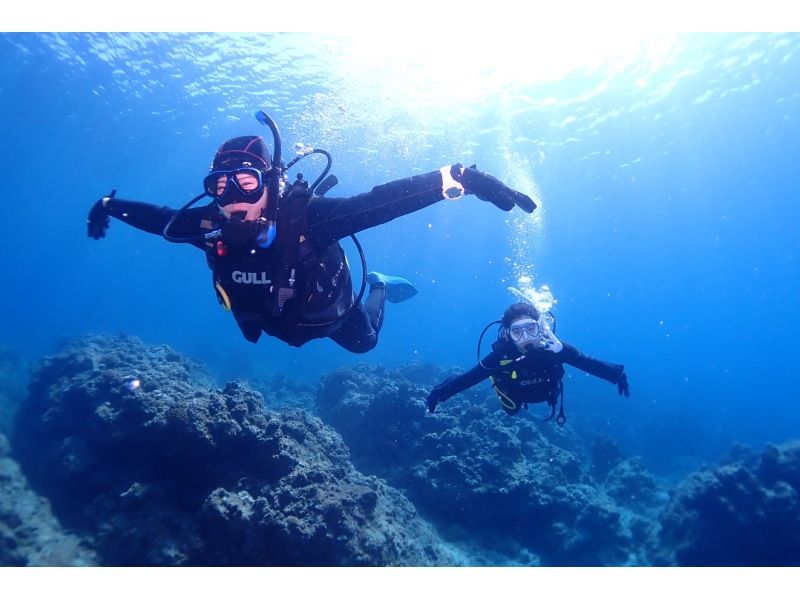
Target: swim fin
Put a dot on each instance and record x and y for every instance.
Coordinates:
(397, 289)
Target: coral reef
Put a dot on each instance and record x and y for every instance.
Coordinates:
(29, 534)
(745, 512)
(631, 485)
(281, 392)
(132, 448)
(625, 479)
(606, 455)
(13, 377)
(505, 479)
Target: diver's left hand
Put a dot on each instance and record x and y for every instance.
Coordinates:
(435, 397)
(98, 220)
(622, 385)
(488, 188)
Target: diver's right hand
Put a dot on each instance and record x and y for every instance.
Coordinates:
(98, 220)
(622, 385)
(491, 189)
(435, 397)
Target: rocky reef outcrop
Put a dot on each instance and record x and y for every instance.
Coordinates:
(130, 455)
(282, 392)
(745, 512)
(13, 378)
(29, 533)
(135, 449)
(506, 479)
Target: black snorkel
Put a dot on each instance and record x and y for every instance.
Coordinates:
(275, 173)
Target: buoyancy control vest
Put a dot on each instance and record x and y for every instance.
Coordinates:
(293, 289)
(518, 382)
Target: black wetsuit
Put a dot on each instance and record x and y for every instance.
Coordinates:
(324, 288)
(534, 378)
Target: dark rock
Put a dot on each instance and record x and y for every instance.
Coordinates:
(631, 485)
(13, 377)
(744, 513)
(29, 534)
(606, 455)
(170, 472)
(281, 392)
(509, 479)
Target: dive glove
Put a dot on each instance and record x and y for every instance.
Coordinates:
(435, 397)
(622, 385)
(488, 188)
(97, 222)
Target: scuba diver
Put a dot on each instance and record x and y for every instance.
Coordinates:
(273, 248)
(526, 365)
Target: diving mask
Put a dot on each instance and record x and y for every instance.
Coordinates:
(525, 327)
(240, 185)
(527, 333)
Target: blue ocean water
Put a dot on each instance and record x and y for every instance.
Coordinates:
(665, 172)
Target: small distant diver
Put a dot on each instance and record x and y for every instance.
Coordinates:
(526, 365)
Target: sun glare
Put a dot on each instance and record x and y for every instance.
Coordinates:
(474, 69)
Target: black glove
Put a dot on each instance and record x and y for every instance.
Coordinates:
(435, 397)
(622, 385)
(97, 222)
(240, 233)
(488, 188)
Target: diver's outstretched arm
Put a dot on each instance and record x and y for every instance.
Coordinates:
(144, 216)
(333, 219)
(611, 372)
(457, 384)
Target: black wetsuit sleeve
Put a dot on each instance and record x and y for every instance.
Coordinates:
(601, 369)
(468, 379)
(332, 219)
(152, 218)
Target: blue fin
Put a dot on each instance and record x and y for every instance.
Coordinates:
(397, 289)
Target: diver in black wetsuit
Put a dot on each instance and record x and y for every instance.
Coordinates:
(273, 248)
(526, 365)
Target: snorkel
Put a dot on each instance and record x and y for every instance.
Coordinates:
(273, 184)
(275, 173)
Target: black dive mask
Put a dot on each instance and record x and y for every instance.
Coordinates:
(241, 185)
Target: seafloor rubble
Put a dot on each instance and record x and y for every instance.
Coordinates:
(144, 459)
